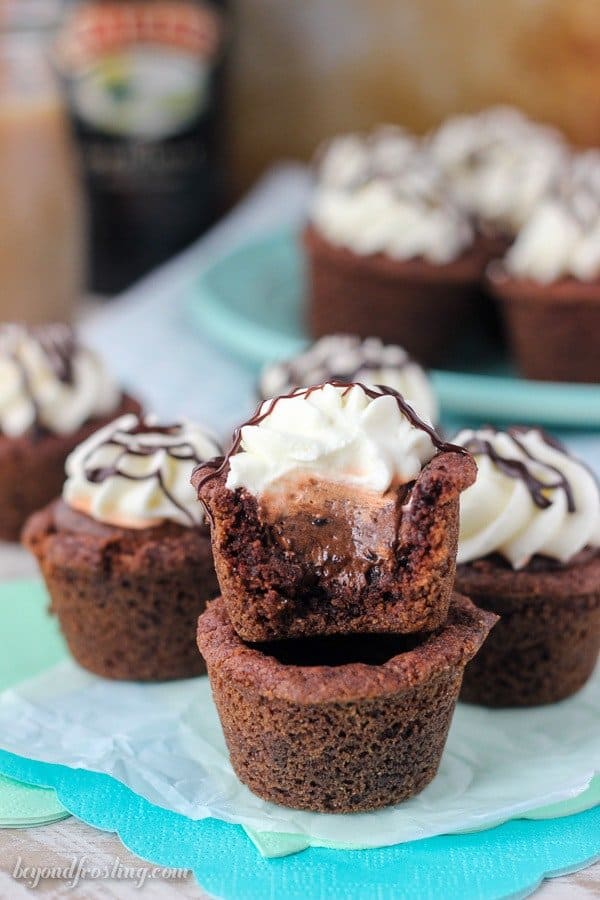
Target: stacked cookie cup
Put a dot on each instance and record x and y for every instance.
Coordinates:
(337, 648)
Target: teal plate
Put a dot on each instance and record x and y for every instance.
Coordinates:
(251, 303)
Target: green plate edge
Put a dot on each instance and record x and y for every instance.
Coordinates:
(226, 305)
(31, 642)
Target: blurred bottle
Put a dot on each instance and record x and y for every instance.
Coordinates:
(41, 230)
(144, 89)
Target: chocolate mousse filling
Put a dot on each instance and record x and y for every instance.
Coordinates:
(346, 539)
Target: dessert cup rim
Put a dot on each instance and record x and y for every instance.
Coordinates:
(44, 539)
(465, 269)
(450, 647)
(540, 585)
(507, 287)
(431, 469)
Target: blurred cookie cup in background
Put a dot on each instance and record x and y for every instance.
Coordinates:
(390, 251)
(548, 284)
(499, 164)
(54, 393)
(346, 357)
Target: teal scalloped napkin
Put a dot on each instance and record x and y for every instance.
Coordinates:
(32, 643)
(508, 861)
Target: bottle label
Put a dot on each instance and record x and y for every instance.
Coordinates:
(140, 70)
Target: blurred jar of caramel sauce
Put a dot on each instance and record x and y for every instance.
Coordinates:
(41, 223)
(304, 71)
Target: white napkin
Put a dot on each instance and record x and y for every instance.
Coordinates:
(165, 743)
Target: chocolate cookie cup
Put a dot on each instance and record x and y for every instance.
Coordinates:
(54, 393)
(422, 306)
(32, 468)
(344, 724)
(314, 556)
(552, 329)
(526, 552)
(127, 599)
(126, 554)
(546, 644)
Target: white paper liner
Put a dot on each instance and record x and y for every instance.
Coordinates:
(165, 743)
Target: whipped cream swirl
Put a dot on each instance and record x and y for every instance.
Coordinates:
(499, 164)
(346, 357)
(530, 498)
(382, 193)
(344, 433)
(136, 474)
(562, 236)
(350, 160)
(49, 382)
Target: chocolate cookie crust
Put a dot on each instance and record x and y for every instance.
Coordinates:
(546, 644)
(32, 469)
(422, 306)
(127, 600)
(273, 590)
(349, 737)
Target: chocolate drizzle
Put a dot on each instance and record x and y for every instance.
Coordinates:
(183, 451)
(429, 191)
(60, 345)
(218, 465)
(515, 468)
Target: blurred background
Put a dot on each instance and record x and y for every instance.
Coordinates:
(303, 71)
(128, 126)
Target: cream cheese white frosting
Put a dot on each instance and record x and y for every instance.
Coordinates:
(48, 381)
(381, 193)
(335, 433)
(562, 236)
(499, 512)
(499, 164)
(136, 474)
(345, 357)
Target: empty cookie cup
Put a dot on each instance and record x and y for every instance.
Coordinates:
(342, 724)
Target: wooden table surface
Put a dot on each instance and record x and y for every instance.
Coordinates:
(58, 844)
